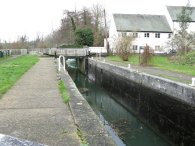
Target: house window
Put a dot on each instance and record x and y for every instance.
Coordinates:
(157, 35)
(146, 35)
(135, 35)
(141, 47)
(157, 48)
(135, 47)
(169, 35)
(124, 34)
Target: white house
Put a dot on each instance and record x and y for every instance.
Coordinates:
(172, 17)
(153, 30)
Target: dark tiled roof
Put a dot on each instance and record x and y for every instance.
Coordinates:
(141, 23)
(174, 11)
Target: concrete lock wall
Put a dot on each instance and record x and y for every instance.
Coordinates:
(166, 106)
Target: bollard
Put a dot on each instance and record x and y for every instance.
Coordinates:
(129, 65)
(60, 64)
(193, 82)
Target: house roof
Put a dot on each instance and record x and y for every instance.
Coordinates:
(174, 11)
(141, 23)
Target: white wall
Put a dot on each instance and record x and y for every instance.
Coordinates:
(176, 27)
(152, 41)
(113, 34)
(141, 40)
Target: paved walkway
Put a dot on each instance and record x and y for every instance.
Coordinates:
(175, 76)
(34, 110)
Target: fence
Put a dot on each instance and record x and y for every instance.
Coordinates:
(4, 53)
(13, 52)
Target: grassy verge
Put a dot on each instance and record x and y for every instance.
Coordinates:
(4, 59)
(63, 91)
(12, 70)
(66, 98)
(134, 59)
(161, 62)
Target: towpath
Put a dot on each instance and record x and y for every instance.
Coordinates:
(34, 110)
(175, 76)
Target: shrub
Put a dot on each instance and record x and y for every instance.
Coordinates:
(123, 47)
(188, 59)
(84, 37)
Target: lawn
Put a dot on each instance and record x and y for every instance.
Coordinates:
(161, 62)
(134, 59)
(12, 70)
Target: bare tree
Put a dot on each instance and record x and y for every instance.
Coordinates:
(124, 47)
(182, 40)
(98, 14)
(85, 17)
(91, 18)
(22, 42)
(71, 15)
(98, 22)
(146, 56)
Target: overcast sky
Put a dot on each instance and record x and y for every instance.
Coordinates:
(32, 17)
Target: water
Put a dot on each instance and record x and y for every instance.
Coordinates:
(123, 126)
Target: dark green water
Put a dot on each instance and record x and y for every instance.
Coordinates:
(124, 127)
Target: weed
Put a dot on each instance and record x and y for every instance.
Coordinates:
(63, 91)
(82, 137)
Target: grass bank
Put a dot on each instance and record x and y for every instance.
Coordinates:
(3, 59)
(162, 62)
(64, 91)
(12, 70)
(165, 63)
